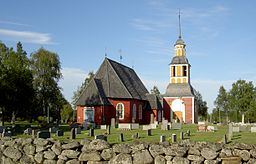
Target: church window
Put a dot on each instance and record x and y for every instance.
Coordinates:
(134, 111)
(120, 110)
(184, 70)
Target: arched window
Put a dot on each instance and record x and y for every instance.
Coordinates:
(120, 110)
(134, 111)
(140, 112)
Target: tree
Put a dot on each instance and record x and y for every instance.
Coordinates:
(66, 113)
(78, 92)
(222, 103)
(242, 98)
(16, 81)
(155, 91)
(46, 68)
(201, 104)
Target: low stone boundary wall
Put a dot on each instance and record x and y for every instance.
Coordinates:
(49, 151)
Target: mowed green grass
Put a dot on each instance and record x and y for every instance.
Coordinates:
(217, 136)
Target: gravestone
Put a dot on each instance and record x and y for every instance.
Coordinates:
(108, 129)
(188, 133)
(225, 139)
(149, 132)
(164, 125)
(174, 138)
(121, 137)
(73, 134)
(33, 134)
(253, 129)
(151, 118)
(162, 139)
(2, 129)
(135, 136)
(43, 134)
(153, 126)
(28, 131)
(236, 129)
(53, 129)
(101, 137)
(91, 132)
(230, 131)
(85, 125)
(59, 133)
(181, 135)
(78, 130)
(176, 125)
(146, 127)
(103, 127)
(7, 134)
(113, 123)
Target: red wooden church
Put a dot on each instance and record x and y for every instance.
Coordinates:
(117, 92)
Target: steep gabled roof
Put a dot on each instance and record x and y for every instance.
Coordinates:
(154, 102)
(113, 80)
(179, 90)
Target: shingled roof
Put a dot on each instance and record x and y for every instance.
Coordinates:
(179, 60)
(154, 102)
(112, 80)
(179, 90)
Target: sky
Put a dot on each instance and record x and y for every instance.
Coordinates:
(220, 38)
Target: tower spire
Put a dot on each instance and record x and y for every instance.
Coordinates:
(179, 26)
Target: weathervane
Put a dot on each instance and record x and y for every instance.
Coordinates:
(106, 52)
(121, 57)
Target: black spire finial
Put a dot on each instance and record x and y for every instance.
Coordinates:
(179, 26)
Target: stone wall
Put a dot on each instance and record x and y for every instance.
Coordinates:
(49, 151)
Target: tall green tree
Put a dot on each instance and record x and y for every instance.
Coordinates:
(222, 103)
(242, 98)
(78, 92)
(16, 81)
(201, 105)
(155, 91)
(46, 68)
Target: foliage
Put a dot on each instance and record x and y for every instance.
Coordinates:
(155, 91)
(78, 92)
(46, 68)
(240, 99)
(15, 81)
(66, 113)
(201, 105)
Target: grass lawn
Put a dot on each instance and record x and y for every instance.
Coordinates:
(242, 137)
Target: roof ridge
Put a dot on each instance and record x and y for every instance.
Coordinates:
(122, 83)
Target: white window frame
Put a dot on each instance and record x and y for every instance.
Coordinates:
(121, 117)
(89, 109)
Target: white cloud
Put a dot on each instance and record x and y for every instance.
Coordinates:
(14, 23)
(72, 78)
(26, 36)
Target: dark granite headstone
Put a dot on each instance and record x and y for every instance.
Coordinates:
(101, 137)
(162, 139)
(108, 129)
(174, 138)
(2, 129)
(121, 138)
(73, 134)
(43, 134)
(59, 133)
(149, 132)
(181, 135)
(91, 132)
(225, 139)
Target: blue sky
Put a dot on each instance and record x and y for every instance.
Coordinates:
(220, 38)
